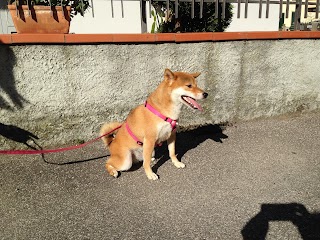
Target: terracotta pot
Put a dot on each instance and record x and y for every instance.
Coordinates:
(40, 19)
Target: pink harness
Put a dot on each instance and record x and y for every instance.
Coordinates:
(172, 122)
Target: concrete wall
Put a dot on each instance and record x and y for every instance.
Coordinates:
(63, 93)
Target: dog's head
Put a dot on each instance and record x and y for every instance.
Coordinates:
(184, 88)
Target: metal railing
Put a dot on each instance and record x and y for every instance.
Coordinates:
(221, 4)
(299, 4)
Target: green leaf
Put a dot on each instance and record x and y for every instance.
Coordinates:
(153, 27)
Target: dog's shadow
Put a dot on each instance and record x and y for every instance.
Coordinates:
(187, 140)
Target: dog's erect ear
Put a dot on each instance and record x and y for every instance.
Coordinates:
(168, 75)
(195, 75)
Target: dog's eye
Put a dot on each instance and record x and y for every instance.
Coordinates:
(189, 86)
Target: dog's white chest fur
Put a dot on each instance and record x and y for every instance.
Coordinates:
(164, 131)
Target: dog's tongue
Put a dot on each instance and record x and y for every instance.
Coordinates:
(195, 104)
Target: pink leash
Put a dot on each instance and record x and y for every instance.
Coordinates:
(147, 105)
(17, 152)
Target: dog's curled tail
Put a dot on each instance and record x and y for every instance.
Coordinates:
(107, 127)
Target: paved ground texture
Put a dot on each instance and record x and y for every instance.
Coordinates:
(254, 180)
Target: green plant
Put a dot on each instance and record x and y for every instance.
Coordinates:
(157, 21)
(77, 6)
(184, 23)
(153, 27)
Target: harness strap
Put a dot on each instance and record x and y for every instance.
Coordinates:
(132, 135)
(172, 122)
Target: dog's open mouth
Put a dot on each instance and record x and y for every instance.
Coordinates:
(191, 102)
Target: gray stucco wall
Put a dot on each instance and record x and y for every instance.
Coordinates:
(63, 93)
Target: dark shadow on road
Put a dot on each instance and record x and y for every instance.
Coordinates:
(307, 223)
(187, 140)
(20, 135)
(73, 161)
(9, 96)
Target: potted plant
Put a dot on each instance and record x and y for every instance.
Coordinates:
(45, 16)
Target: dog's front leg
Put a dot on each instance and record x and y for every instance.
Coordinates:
(172, 152)
(148, 147)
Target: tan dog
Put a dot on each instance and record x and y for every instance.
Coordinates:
(152, 123)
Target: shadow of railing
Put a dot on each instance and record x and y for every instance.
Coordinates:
(9, 96)
(308, 224)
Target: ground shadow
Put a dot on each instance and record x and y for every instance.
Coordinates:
(20, 135)
(9, 96)
(307, 223)
(73, 161)
(187, 140)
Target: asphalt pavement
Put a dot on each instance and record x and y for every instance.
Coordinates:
(252, 180)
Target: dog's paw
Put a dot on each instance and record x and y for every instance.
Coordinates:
(114, 173)
(179, 164)
(152, 176)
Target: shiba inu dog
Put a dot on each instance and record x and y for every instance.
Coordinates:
(152, 123)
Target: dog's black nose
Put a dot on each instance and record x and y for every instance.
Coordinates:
(205, 95)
